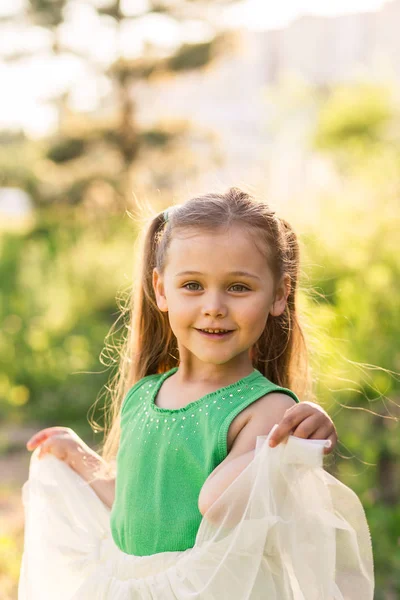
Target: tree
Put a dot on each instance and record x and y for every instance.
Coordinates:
(101, 151)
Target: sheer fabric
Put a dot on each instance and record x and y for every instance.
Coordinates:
(285, 529)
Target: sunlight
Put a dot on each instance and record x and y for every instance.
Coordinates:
(46, 75)
(258, 15)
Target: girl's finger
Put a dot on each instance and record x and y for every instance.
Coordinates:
(53, 446)
(313, 430)
(333, 439)
(324, 433)
(41, 436)
(307, 428)
(46, 447)
(293, 417)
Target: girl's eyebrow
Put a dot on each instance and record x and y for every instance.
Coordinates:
(232, 273)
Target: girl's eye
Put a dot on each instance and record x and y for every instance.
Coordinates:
(193, 288)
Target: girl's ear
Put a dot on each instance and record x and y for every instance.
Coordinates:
(159, 291)
(281, 296)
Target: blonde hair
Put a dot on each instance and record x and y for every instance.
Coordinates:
(151, 347)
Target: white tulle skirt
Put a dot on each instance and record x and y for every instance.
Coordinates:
(283, 530)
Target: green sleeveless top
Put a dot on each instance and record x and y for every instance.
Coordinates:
(165, 456)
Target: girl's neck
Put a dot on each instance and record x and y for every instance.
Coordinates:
(218, 375)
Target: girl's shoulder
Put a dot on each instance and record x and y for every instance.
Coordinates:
(269, 387)
(137, 387)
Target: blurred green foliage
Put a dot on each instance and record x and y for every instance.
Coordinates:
(359, 128)
(66, 149)
(57, 305)
(354, 115)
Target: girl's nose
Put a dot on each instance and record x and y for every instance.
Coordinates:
(214, 307)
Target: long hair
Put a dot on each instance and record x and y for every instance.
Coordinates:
(150, 347)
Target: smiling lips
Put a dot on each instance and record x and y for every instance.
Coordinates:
(208, 330)
(215, 332)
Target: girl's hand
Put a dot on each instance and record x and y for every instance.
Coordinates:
(306, 420)
(67, 446)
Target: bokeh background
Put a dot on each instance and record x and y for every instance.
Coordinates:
(109, 106)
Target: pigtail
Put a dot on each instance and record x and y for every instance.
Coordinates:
(153, 344)
(148, 346)
(281, 353)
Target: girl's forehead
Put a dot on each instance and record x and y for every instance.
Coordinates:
(234, 247)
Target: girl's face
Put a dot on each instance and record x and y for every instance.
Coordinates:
(212, 281)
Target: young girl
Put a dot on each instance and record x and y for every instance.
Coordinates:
(203, 505)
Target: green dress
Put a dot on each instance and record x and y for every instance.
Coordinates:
(164, 458)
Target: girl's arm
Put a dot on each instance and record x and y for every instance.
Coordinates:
(221, 478)
(306, 420)
(67, 446)
(266, 412)
(105, 490)
(86, 466)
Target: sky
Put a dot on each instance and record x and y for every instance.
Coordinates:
(25, 87)
(256, 14)
(260, 14)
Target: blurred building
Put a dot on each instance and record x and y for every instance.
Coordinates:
(225, 99)
(326, 50)
(230, 98)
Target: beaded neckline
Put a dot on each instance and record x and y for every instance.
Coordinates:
(245, 381)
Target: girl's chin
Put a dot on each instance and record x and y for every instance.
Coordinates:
(216, 357)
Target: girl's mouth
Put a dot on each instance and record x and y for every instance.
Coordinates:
(215, 333)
